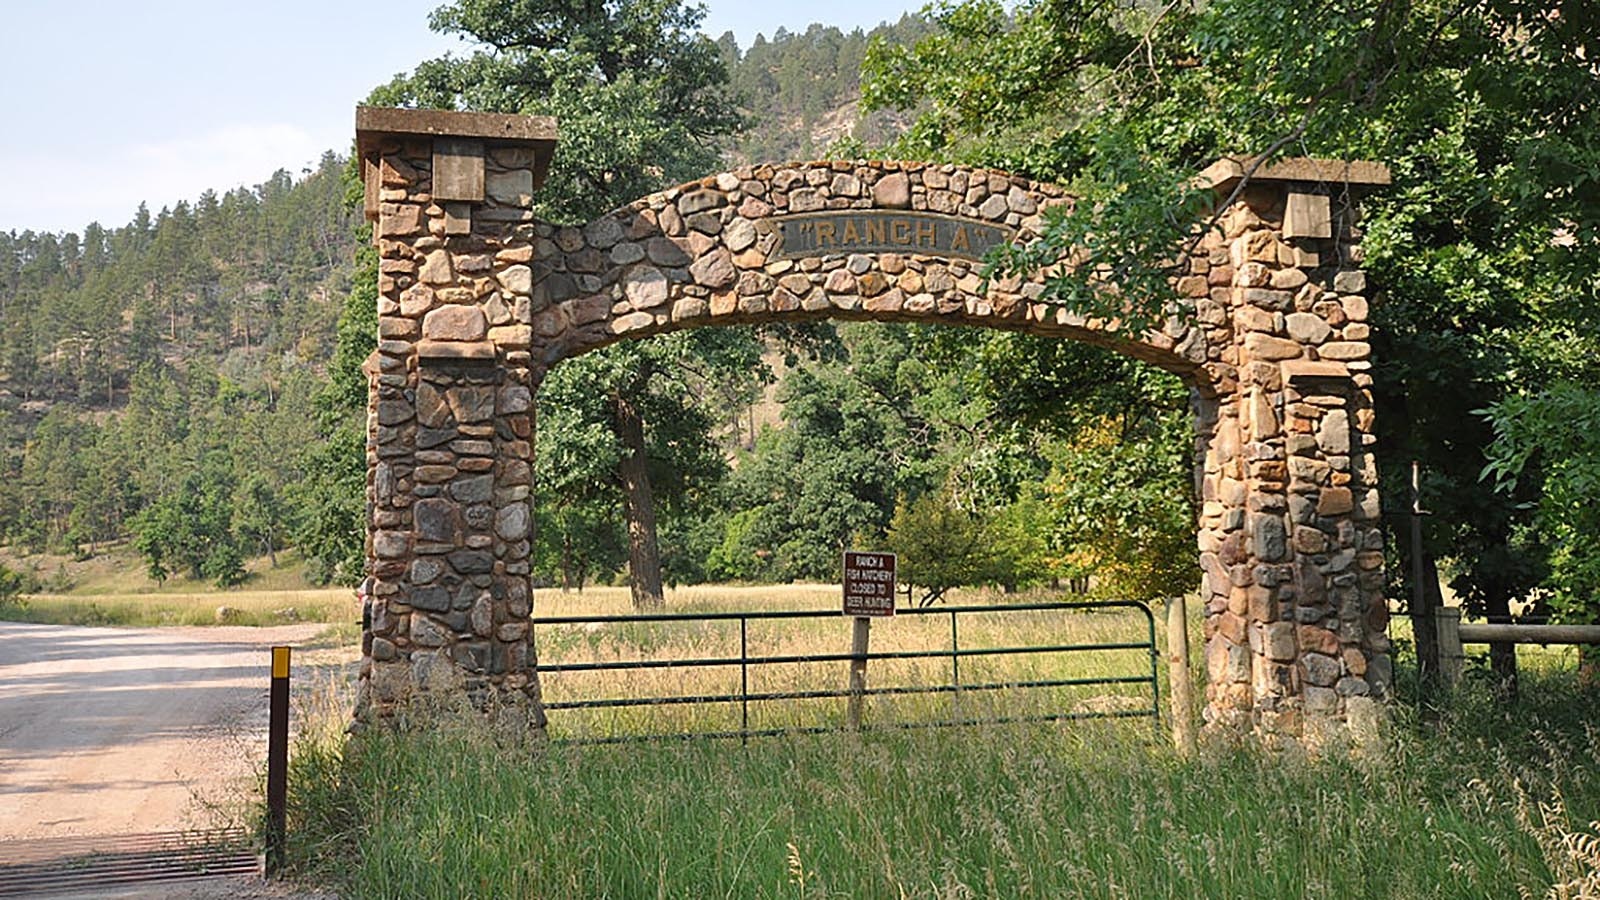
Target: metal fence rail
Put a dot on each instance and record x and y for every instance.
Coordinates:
(954, 653)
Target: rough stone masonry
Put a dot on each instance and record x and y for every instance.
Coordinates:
(478, 299)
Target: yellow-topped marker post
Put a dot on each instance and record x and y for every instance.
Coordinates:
(277, 758)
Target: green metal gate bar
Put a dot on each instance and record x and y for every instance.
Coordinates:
(955, 653)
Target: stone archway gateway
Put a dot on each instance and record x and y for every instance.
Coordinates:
(478, 300)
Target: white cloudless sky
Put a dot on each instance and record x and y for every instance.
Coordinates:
(106, 103)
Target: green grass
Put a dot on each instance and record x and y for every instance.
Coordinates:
(112, 588)
(1000, 812)
(1487, 801)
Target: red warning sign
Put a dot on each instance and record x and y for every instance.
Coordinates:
(868, 583)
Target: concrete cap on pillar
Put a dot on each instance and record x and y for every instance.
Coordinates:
(1226, 173)
(455, 134)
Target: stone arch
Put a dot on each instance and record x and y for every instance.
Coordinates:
(478, 300)
(860, 240)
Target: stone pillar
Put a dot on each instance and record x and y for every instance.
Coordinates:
(1295, 627)
(450, 442)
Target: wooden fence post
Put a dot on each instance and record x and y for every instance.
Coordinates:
(858, 669)
(1452, 659)
(1178, 676)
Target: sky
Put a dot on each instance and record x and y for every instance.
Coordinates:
(109, 102)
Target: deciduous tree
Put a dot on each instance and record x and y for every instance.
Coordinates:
(1486, 249)
(642, 100)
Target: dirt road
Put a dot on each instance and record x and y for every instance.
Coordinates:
(121, 730)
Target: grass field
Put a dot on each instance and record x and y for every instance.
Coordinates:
(239, 607)
(117, 568)
(1485, 801)
(1482, 805)
(112, 588)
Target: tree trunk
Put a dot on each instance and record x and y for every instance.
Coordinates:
(567, 577)
(644, 554)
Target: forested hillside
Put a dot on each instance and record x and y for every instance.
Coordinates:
(159, 376)
(802, 90)
(168, 380)
(241, 277)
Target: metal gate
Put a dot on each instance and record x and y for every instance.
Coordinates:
(742, 674)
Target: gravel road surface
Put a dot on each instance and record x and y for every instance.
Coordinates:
(124, 730)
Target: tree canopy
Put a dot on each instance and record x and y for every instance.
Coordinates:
(643, 102)
(1487, 248)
